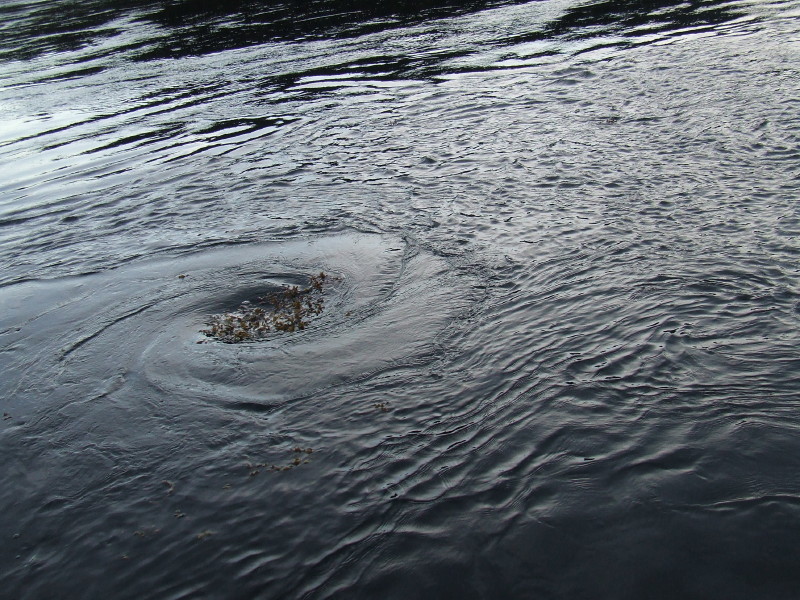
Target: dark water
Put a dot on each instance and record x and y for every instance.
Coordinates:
(561, 358)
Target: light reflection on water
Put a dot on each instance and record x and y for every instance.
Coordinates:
(561, 360)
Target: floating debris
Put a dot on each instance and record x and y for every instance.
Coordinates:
(295, 462)
(290, 309)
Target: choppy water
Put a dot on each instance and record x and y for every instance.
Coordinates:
(561, 358)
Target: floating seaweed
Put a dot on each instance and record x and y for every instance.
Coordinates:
(287, 310)
(254, 469)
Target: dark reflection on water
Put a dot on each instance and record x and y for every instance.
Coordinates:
(242, 23)
(197, 27)
(31, 29)
(624, 17)
(202, 26)
(560, 358)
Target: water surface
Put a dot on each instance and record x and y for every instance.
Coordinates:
(560, 356)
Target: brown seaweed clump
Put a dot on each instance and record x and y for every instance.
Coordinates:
(290, 309)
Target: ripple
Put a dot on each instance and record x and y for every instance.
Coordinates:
(387, 306)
